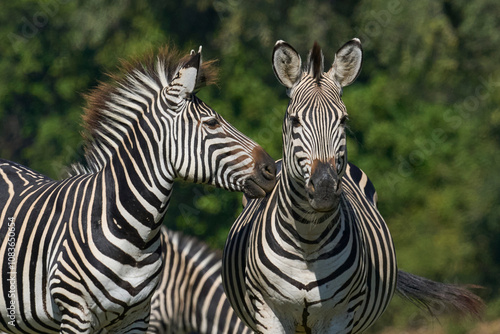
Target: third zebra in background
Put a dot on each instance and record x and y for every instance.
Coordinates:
(315, 255)
(190, 297)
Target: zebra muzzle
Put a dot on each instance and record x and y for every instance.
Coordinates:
(323, 187)
(263, 178)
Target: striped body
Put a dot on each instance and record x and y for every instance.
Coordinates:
(305, 287)
(83, 255)
(67, 252)
(190, 297)
(314, 256)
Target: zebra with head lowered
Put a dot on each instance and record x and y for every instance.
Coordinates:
(83, 255)
(190, 297)
(315, 255)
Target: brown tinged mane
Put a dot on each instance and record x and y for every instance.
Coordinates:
(97, 110)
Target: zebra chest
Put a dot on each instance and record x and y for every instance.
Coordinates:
(312, 288)
(312, 281)
(308, 280)
(311, 296)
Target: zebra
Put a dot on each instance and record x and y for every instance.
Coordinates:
(315, 255)
(83, 254)
(435, 298)
(190, 297)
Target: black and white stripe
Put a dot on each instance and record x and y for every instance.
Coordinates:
(314, 256)
(83, 255)
(190, 297)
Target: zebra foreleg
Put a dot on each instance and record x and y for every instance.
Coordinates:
(266, 320)
(69, 299)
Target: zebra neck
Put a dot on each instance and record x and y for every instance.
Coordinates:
(296, 216)
(137, 199)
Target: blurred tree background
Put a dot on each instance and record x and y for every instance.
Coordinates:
(425, 115)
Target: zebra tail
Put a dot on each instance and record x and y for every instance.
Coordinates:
(439, 298)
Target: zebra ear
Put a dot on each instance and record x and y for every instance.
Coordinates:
(184, 82)
(287, 64)
(347, 64)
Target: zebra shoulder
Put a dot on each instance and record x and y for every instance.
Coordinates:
(358, 177)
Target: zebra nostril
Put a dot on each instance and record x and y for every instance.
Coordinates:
(268, 171)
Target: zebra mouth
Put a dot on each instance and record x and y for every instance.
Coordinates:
(323, 186)
(263, 178)
(252, 189)
(325, 204)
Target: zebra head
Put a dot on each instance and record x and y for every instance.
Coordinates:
(314, 140)
(204, 147)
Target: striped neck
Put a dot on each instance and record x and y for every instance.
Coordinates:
(136, 201)
(128, 144)
(301, 222)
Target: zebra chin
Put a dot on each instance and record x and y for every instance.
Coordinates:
(258, 186)
(325, 204)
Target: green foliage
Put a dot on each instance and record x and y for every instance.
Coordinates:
(424, 115)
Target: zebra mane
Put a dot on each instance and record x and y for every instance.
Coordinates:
(76, 169)
(140, 78)
(190, 247)
(315, 62)
(196, 245)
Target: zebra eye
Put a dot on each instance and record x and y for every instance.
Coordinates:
(212, 123)
(344, 119)
(295, 121)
